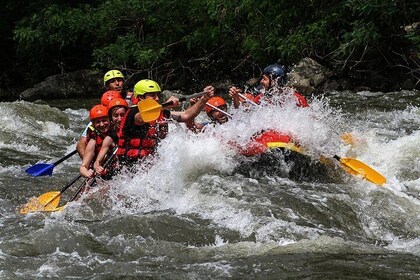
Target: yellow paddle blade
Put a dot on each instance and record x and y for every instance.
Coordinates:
(50, 209)
(357, 167)
(149, 109)
(45, 202)
(289, 146)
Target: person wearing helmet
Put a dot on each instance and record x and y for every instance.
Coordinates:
(273, 77)
(115, 80)
(106, 98)
(100, 128)
(117, 108)
(216, 115)
(215, 109)
(138, 139)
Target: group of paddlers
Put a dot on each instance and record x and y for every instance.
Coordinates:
(120, 126)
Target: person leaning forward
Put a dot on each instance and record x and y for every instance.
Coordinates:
(273, 77)
(137, 138)
(114, 82)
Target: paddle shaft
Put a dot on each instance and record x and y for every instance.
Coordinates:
(65, 157)
(220, 110)
(247, 99)
(184, 98)
(63, 189)
(199, 94)
(80, 188)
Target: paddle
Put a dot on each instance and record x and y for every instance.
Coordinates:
(93, 179)
(247, 99)
(41, 169)
(47, 201)
(218, 109)
(356, 167)
(150, 110)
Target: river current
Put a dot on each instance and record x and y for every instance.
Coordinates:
(190, 214)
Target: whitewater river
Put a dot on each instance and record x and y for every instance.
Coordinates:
(200, 213)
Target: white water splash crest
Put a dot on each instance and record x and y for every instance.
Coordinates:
(179, 176)
(317, 128)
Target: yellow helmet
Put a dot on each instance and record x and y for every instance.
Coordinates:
(145, 86)
(112, 74)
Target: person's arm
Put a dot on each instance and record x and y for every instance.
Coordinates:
(194, 126)
(81, 144)
(193, 111)
(85, 169)
(106, 144)
(233, 92)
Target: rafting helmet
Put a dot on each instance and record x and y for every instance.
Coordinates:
(276, 72)
(216, 101)
(112, 74)
(98, 111)
(117, 102)
(108, 96)
(145, 86)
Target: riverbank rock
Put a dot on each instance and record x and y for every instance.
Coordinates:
(82, 83)
(308, 75)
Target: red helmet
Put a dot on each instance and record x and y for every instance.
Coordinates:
(216, 101)
(108, 96)
(98, 111)
(117, 102)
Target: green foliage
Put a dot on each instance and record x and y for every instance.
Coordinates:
(146, 35)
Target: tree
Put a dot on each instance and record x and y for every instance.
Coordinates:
(205, 40)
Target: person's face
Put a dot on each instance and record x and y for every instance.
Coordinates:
(116, 84)
(101, 124)
(117, 115)
(151, 95)
(219, 116)
(265, 82)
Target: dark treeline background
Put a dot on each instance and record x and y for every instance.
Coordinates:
(181, 43)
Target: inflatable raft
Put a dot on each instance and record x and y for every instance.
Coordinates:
(275, 153)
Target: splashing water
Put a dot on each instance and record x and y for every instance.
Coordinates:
(188, 212)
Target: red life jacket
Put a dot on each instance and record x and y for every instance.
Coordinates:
(300, 99)
(92, 133)
(138, 141)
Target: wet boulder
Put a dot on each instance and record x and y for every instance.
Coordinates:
(307, 75)
(81, 83)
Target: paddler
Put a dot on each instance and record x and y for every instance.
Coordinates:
(137, 138)
(101, 127)
(115, 80)
(272, 82)
(215, 109)
(117, 109)
(106, 98)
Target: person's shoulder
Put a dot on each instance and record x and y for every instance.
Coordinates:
(113, 134)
